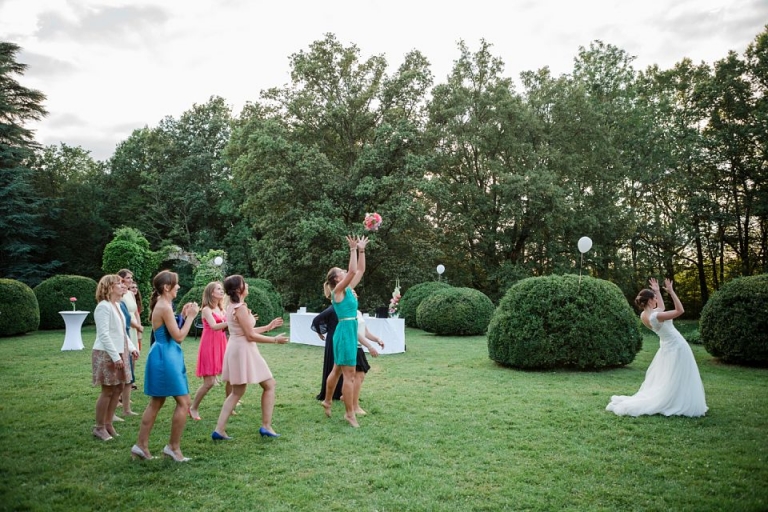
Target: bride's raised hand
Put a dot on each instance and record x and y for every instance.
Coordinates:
(352, 241)
(668, 285)
(362, 241)
(654, 284)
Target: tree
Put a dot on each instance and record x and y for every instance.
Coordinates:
(72, 183)
(313, 157)
(22, 235)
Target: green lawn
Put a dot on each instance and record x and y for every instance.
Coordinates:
(447, 430)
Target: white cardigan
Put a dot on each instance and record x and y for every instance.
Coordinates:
(110, 330)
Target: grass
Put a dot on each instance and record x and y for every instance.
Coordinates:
(447, 430)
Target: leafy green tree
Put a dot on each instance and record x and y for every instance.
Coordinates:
(313, 157)
(70, 180)
(491, 194)
(22, 232)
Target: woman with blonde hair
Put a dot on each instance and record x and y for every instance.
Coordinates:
(339, 287)
(110, 351)
(213, 344)
(243, 363)
(165, 373)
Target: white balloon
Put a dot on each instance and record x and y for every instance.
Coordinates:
(218, 260)
(440, 269)
(585, 244)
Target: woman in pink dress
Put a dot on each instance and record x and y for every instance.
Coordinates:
(213, 344)
(243, 364)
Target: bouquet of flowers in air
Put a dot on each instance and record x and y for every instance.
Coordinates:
(395, 300)
(73, 300)
(372, 221)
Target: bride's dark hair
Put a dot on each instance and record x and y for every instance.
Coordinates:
(643, 297)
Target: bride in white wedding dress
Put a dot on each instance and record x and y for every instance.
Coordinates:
(672, 385)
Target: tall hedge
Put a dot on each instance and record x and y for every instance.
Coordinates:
(734, 322)
(413, 296)
(553, 321)
(53, 296)
(19, 311)
(455, 312)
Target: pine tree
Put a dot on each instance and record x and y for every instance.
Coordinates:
(22, 231)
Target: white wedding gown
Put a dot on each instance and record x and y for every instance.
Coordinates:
(672, 385)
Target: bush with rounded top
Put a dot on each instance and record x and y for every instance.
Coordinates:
(53, 296)
(455, 312)
(558, 322)
(413, 296)
(19, 312)
(734, 322)
(263, 300)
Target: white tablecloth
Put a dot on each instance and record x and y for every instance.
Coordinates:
(390, 330)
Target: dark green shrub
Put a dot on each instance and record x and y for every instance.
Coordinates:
(263, 300)
(195, 294)
(553, 322)
(455, 312)
(413, 296)
(734, 322)
(53, 296)
(19, 312)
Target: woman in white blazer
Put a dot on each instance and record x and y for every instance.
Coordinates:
(110, 353)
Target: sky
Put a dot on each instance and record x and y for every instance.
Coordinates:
(109, 67)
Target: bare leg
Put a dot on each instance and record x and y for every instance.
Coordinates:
(102, 406)
(238, 390)
(348, 388)
(359, 378)
(148, 421)
(267, 403)
(208, 382)
(330, 386)
(177, 424)
(111, 407)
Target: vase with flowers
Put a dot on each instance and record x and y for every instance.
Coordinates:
(394, 302)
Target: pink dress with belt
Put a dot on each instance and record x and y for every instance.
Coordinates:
(213, 345)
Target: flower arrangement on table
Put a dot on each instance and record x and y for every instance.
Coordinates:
(73, 300)
(372, 221)
(395, 300)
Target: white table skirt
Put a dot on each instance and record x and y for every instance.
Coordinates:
(390, 330)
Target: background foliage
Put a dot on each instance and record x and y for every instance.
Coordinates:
(663, 168)
(564, 322)
(19, 312)
(734, 323)
(53, 296)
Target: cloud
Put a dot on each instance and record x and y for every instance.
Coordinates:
(44, 67)
(110, 25)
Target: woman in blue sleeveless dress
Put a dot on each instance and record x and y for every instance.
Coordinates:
(338, 286)
(165, 373)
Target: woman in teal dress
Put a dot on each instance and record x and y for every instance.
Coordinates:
(165, 373)
(338, 286)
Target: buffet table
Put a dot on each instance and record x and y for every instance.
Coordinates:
(390, 330)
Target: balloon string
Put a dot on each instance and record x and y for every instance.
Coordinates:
(580, 266)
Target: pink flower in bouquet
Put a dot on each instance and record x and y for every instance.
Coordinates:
(372, 221)
(73, 300)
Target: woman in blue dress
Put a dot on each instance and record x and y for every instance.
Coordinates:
(339, 286)
(165, 373)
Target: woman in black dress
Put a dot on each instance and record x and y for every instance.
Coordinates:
(324, 325)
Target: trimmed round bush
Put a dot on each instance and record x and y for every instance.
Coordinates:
(555, 322)
(413, 296)
(195, 294)
(19, 312)
(53, 296)
(455, 312)
(734, 322)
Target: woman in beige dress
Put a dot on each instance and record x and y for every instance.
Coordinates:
(243, 363)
